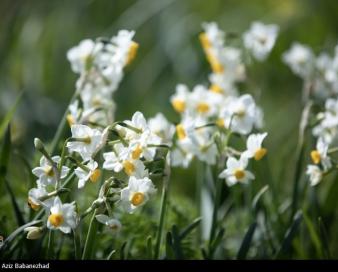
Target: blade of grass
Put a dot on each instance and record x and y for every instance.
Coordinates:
(190, 228)
(4, 159)
(313, 235)
(9, 115)
(111, 254)
(290, 234)
(18, 214)
(245, 246)
(217, 241)
(149, 248)
(258, 197)
(169, 252)
(324, 236)
(164, 203)
(90, 239)
(50, 245)
(299, 155)
(76, 243)
(122, 251)
(176, 243)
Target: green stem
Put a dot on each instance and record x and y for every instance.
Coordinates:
(200, 175)
(88, 247)
(63, 124)
(162, 216)
(50, 245)
(299, 156)
(76, 249)
(218, 194)
(63, 154)
(219, 186)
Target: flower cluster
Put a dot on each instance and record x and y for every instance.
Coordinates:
(320, 75)
(100, 65)
(210, 114)
(131, 152)
(321, 71)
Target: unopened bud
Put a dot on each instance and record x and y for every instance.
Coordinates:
(34, 233)
(38, 144)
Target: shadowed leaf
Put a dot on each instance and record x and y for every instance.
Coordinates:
(245, 246)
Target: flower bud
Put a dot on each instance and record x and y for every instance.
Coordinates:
(38, 144)
(33, 233)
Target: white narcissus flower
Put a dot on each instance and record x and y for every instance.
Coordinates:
(88, 172)
(180, 157)
(62, 216)
(180, 98)
(114, 160)
(319, 155)
(207, 152)
(254, 146)
(241, 114)
(212, 40)
(135, 168)
(315, 174)
(137, 122)
(46, 173)
(231, 61)
(327, 128)
(79, 55)
(34, 196)
(74, 113)
(126, 47)
(212, 36)
(300, 59)
(160, 126)
(260, 39)
(202, 145)
(141, 148)
(236, 171)
(137, 193)
(112, 223)
(223, 85)
(87, 141)
(122, 159)
(202, 102)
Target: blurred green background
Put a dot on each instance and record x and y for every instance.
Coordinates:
(35, 36)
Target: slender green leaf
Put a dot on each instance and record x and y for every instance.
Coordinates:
(5, 153)
(204, 254)
(258, 197)
(313, 234)
(90, 240)
(161, 220)
(76, 243)
(149, 248)
(290, 234)
(324, 236)
(110, 255)
(190, 228)
(123, 251)
(4, 159)
(18, 214)
(4, 123)
(217, 241)
(246, 243)
(169, 247)
(176, 243)
(50, 245)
